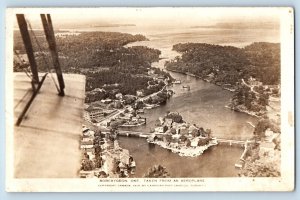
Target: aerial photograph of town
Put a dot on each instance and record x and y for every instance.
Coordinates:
(138, 93)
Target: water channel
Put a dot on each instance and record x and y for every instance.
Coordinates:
(204, 105)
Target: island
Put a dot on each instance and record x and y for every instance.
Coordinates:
(173, 133)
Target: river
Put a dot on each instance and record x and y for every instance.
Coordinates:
(204, 104)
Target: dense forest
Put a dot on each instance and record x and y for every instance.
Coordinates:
(227, 66)
(102, 57)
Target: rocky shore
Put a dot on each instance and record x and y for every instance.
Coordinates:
(183, 150)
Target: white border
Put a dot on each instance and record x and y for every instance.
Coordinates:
(284, 183)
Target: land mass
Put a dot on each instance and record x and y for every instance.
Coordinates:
(110, 67)
(252, 72)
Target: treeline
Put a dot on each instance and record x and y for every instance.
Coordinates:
(227, 64)
(126, 83)
(88, 50)
(102, 57)
(104, 40)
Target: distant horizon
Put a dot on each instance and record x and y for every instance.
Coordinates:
(144, 17)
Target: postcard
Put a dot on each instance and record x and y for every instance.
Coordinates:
(149, 99)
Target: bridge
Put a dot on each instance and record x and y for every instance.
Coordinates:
(142, 134)
(240, 143)
(133, 133)
(233, 142)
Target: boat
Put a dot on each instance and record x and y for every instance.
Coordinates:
(140, 111)
(150, 106)
(187, 87)
(176, 82)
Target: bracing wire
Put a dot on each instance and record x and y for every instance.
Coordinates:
(24, 69)
(43, 56)
(27, 74)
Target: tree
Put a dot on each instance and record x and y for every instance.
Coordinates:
(263, 100)
(183, 138)
(259, 169)
(173, 131)
(87, 165)
(277, 142)
(188, 143)
(261, 127)
(208, 133)
(176, 117)
(195, 133)
(168, 138)
(97, 133)
(157, 172)
(203, 141)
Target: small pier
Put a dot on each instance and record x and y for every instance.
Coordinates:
(240, 143)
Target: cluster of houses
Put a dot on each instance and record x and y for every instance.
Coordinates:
(268, 89)
(179, 134)
(127, 116)
(130, 118)
(103, 157)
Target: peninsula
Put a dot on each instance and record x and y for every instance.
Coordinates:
(252, 73)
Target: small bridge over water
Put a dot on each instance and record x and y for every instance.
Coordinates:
(141, 134)
(133, 134)
(233, 142)
(240, 143)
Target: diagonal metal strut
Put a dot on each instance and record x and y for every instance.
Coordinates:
(49, 32)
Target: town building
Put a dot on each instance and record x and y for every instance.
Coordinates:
(119, 95)
(140, 93)
(106, 101)
(96, 113)
(161, 129)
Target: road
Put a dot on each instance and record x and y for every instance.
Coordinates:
(151, 95)
(109, 117)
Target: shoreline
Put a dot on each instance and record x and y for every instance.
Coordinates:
(242, 111)
(230, 90)
(185, 151)
(193, 75)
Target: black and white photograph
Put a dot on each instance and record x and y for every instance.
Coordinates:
(150, 99)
